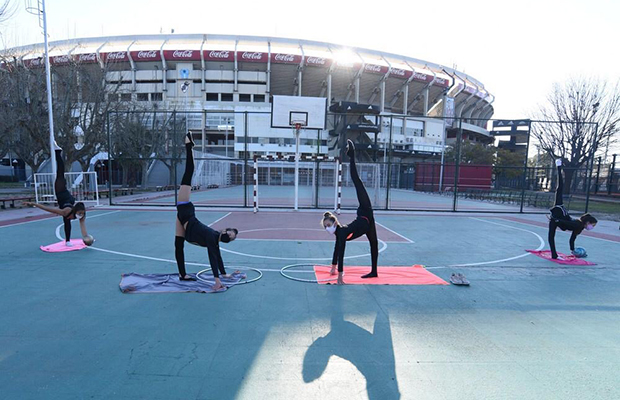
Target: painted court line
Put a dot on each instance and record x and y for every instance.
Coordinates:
(540, 247)
(219, 219)
(45, 218)
(394, 232)
(536, 224)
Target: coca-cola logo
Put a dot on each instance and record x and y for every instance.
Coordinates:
(420, 77)
(315, 60)
(284, 57)
(119, 55)
(398, 72)
(254, 56)
(61, 59)
(147, 54)
(87, 57)
(372, 68)
(183, 53)
(219, 54)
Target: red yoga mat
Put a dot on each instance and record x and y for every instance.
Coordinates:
(414, 275)
(562, 258)
(78, 244)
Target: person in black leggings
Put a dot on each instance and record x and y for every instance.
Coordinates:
(190, 229)
(364, 224)
(559, 217)
(68, 209)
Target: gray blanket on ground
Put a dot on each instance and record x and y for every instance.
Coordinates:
(170, 283)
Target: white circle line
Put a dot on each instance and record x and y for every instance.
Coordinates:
(383, 247)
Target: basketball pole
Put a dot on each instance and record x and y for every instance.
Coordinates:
(39, 11)
(297, 128)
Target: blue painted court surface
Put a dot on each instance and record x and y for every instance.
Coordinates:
(526, 328)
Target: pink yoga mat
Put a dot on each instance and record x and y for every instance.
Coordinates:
(414, 275)
(562, 258)
(78, 244)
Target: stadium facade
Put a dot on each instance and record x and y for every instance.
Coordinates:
(229, 81)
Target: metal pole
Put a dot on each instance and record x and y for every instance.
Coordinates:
(389, 171)
(457, 163)
(527, 149)
(245, 159)
(48, 82)
(110, 160)
(296, 168)
(591, 169)
(610, 178)
(598, 172)
(174, 160)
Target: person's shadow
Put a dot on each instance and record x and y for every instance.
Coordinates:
(371, 353)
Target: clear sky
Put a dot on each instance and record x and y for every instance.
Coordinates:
(517, 49)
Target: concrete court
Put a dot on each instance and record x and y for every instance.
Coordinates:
(525, 329)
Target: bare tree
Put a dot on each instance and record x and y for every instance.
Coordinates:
(588, 115)
(7, 10)
(82, 100)
(23, 112)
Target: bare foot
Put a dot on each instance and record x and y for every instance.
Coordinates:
(333, 271)
(340, 280)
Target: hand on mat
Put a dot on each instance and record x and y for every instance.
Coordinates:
(340, 280)
(333, 270)
(28, 203)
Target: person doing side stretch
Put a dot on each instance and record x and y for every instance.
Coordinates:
(190, 229)
(364, 224)
(559, 217)
(68, 209)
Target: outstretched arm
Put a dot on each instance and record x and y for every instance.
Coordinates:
(83, 226)
(572, 240)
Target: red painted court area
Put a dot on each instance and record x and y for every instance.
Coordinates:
(291, 226)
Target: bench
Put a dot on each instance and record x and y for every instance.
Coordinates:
(13, 200)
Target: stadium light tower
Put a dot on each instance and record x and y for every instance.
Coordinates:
(39, 11)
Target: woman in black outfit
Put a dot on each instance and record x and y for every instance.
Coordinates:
(68, 209)
(559, 218)
(188, 228)
(364, 224)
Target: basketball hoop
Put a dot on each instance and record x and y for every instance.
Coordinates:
(298, 125)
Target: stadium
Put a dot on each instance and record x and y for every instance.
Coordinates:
(240, 73)
(222, 87)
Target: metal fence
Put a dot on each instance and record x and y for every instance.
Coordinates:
(83, 187)
(147, 159)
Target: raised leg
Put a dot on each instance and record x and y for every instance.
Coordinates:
(186, 182)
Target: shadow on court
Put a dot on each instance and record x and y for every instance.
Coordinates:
(371, 353)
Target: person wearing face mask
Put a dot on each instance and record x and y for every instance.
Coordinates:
(190, 229)
(364, 224)
(559, 217)
(68, 209)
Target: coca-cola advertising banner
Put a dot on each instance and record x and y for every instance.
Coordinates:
(318, 61)
(182, 55)
(251, 56)
(401, 73)
(375, 69)
(281, 58)
(34, 63)
(117, 56)
(60, 60)
(85, 58)
(146, 55)
(219, 55)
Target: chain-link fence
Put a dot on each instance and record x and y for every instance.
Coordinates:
(406, 163)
